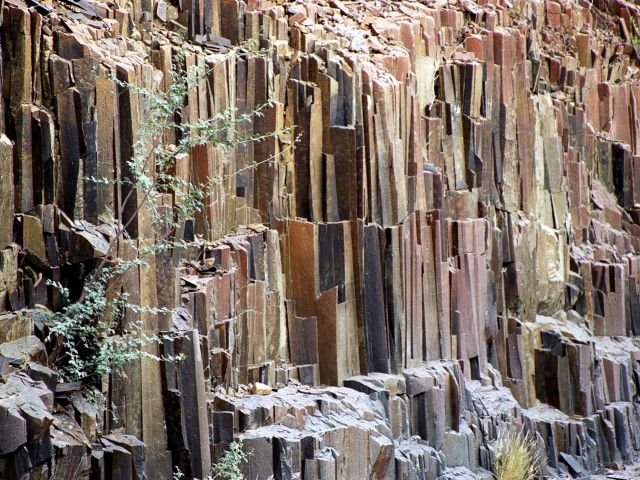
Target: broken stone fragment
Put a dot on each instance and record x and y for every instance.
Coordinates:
(260, 389)
(25, 414)
(14, 326)
(89, 413)
(26, 349)
(31, 236)
(161, 10)
(26, 389)
(13, 427)
(37, 417)
(87, 243)
(133, 446)
(38, 372)
(71, 458)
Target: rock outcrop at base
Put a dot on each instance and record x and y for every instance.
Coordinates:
(442, 240)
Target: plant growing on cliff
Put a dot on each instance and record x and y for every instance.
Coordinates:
(100, 332)
(517, 456)
(91, 338)
(228, 467)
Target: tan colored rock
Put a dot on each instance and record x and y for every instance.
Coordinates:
(6, 191)
(32, 236)
(260, 389)
(14, 326)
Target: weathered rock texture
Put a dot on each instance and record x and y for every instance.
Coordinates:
(448, 237)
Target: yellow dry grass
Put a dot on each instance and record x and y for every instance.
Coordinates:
(517, 456)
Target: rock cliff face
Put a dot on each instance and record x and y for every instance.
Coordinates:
(445, 241)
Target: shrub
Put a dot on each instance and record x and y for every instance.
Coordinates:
(517, 456)
(100, 332)
(228, 467)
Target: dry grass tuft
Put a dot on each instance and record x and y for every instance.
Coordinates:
(517, 456)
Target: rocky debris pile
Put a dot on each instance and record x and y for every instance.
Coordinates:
(371, 428)
(429, 416)
(47, 428)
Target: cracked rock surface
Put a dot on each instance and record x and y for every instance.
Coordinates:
(442, 242)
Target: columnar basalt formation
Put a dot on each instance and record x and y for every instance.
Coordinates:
(443, 240)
